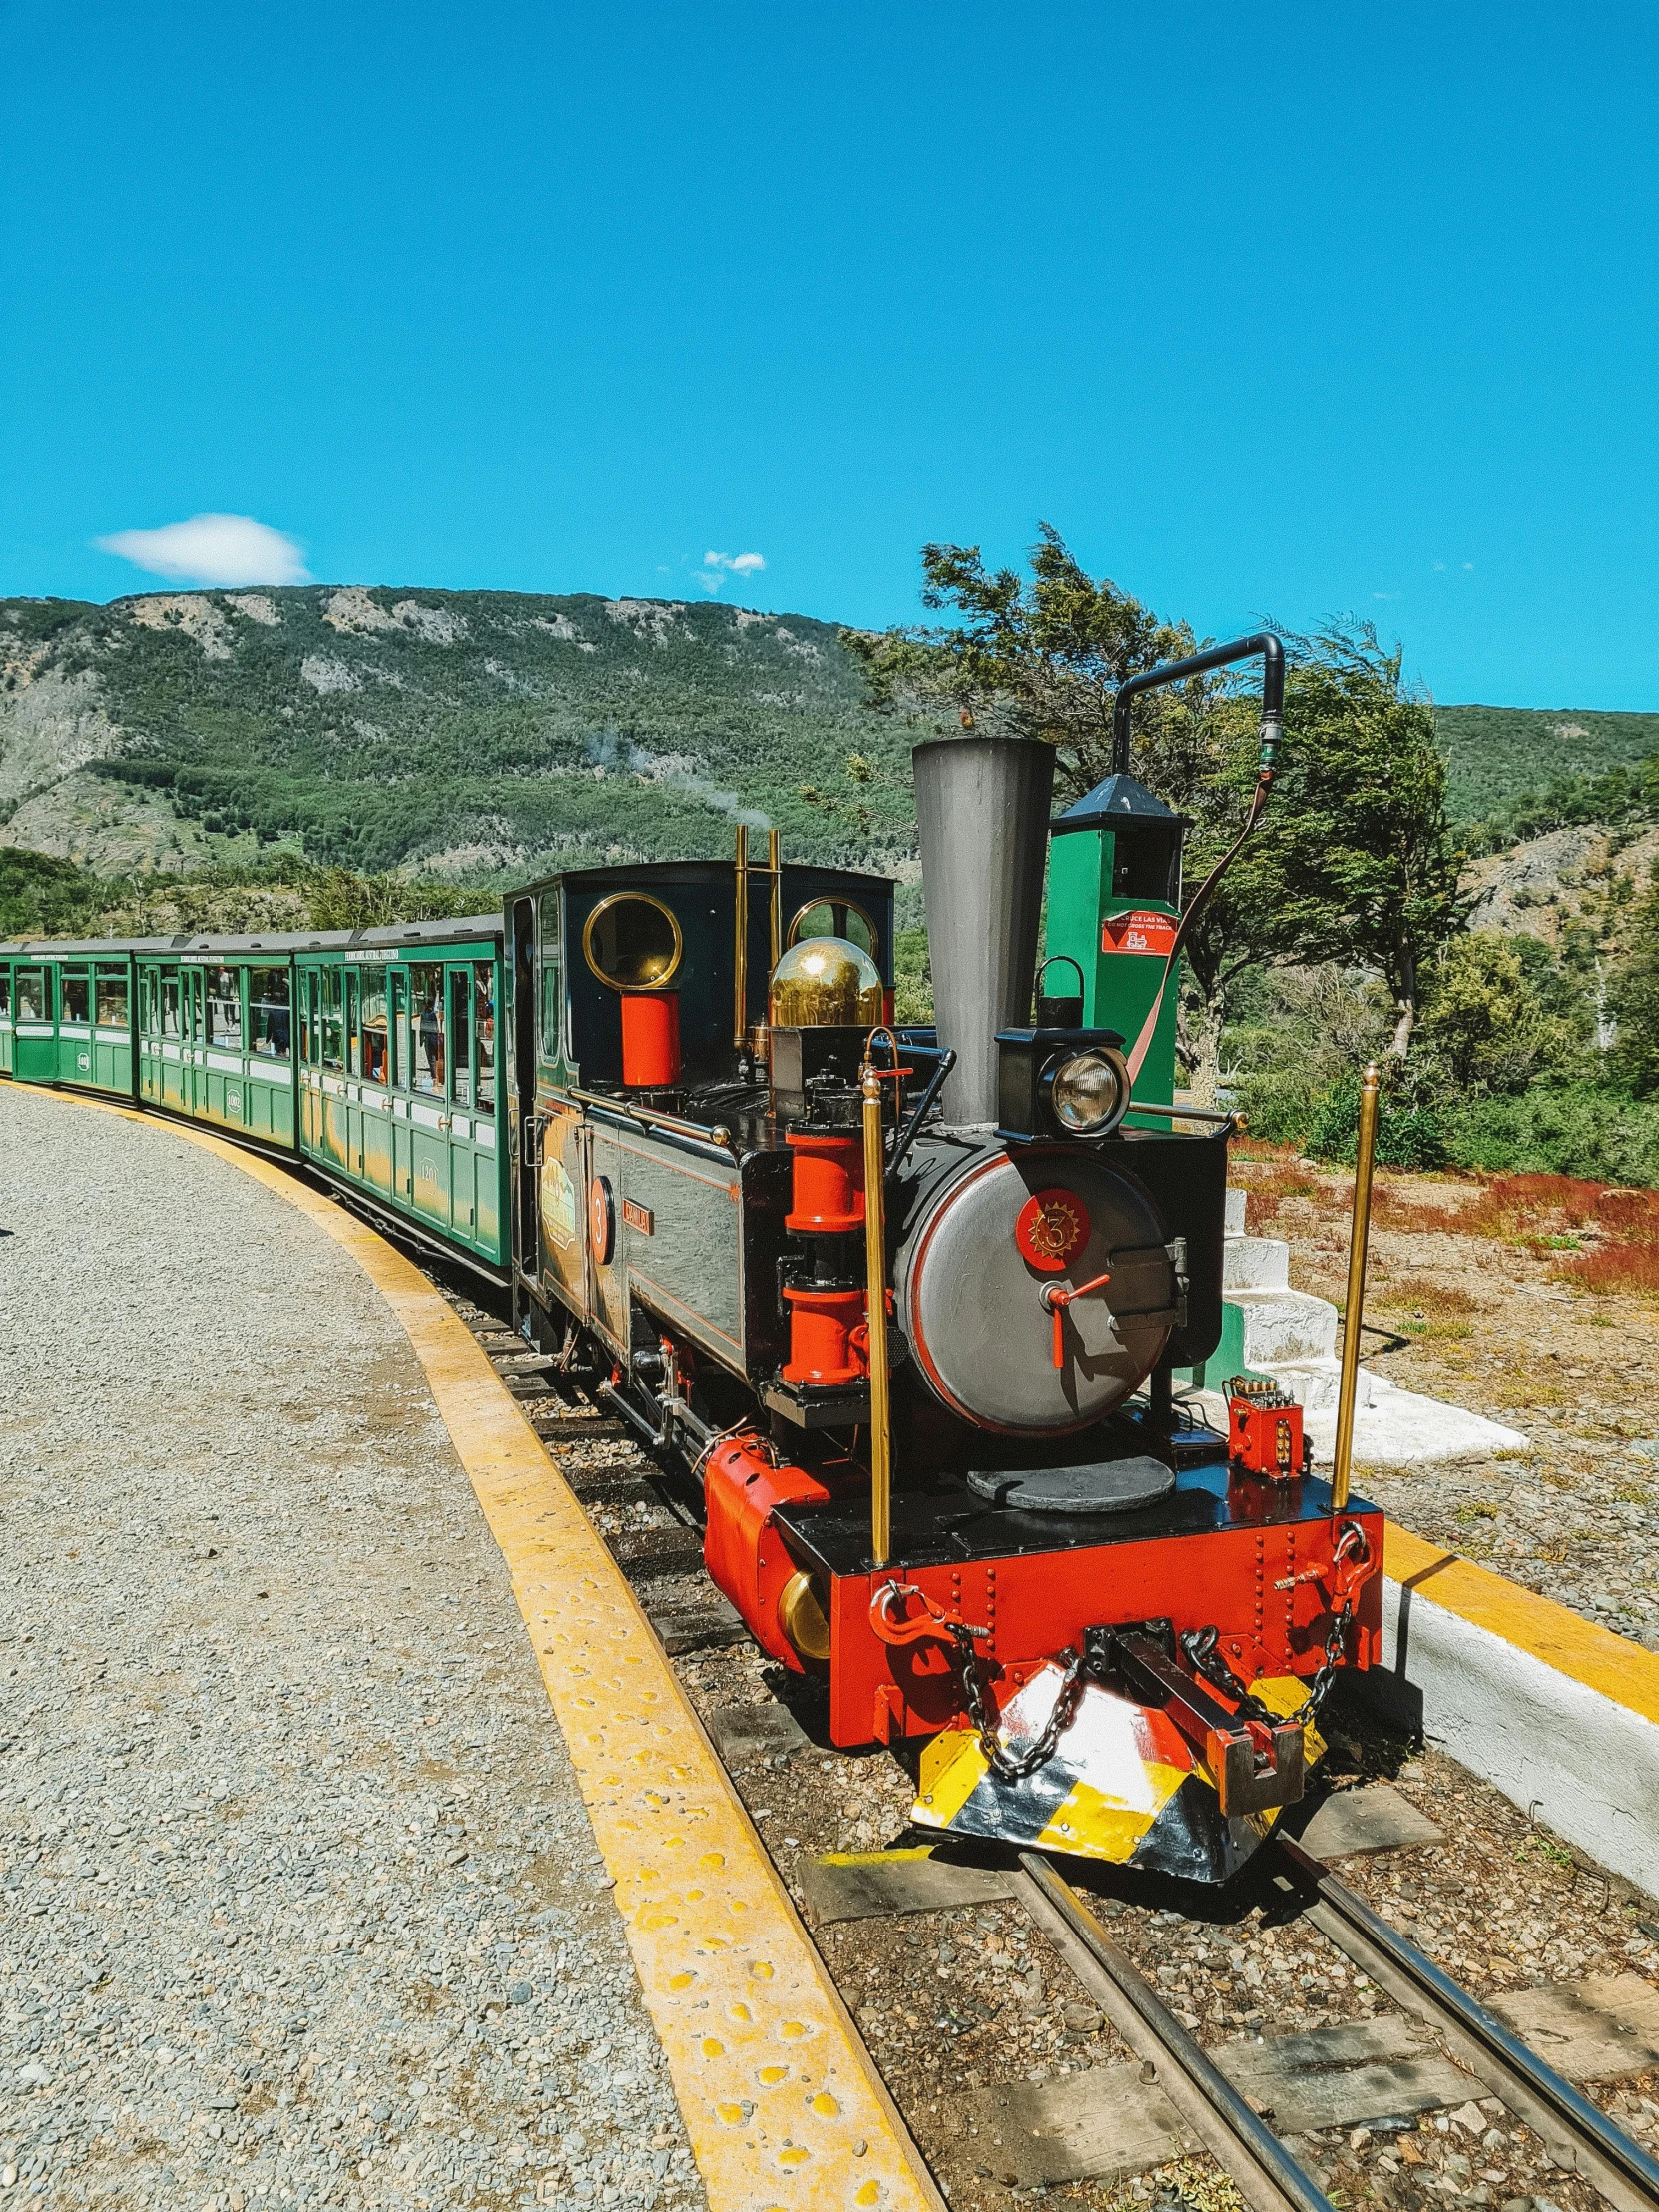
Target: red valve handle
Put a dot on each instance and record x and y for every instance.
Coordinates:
(1057, 1300)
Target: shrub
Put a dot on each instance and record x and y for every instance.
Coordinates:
(1409, 1133)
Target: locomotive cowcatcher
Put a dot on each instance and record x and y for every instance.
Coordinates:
(912, 1303)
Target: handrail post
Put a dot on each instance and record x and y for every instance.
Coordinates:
(875, 1271)
(1342, 1460)
(739, 949)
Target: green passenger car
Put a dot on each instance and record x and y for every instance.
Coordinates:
(215, 1034)
(66, 1015)
(398, 1079)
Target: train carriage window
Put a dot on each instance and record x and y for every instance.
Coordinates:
(485, 1015)
(399, 1029)
(354, 1036)
(552, 979)
(169, 1006)
(374, 1025)
(34, 998)
(460, 1034)
(270, 1021)
(334, 1027)
(5, 993)
(224, 992)
(427, 1019)
(837, 918)
(112, 999)
(147, 1000)
(76, 995)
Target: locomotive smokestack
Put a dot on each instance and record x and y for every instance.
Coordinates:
(982, 813)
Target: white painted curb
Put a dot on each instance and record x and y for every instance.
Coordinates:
(1587, 1766)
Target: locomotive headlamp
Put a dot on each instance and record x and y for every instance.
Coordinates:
(1087, 1091)
(1059, 1083)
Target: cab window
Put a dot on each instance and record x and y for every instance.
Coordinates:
(269, 1017)
(427, 1021)
(112, 987)
(552, 979)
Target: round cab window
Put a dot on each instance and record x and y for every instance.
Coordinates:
(836, 917)
(632, 943)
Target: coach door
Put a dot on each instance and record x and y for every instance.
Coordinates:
(33, 1025)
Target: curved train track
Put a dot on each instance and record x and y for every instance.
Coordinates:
(1181, 2097)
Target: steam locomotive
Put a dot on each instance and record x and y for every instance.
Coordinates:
(912, 1303)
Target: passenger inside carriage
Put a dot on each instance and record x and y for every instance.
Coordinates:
(426, 989)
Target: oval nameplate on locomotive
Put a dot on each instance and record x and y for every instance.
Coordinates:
(1053, 1227)
(601, 1219)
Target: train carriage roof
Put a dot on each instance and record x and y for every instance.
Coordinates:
(460, 929)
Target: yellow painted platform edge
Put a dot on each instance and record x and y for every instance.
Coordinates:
(885, 2169)
(1621, 1671)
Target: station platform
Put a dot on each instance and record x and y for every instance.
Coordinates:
(358, 1846)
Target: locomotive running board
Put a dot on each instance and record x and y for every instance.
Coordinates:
(1123, 1784)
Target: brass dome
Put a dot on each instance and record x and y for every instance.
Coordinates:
(825, 982)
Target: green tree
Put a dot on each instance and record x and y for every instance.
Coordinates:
(1485, 1027)
(1633, 1002)
(1359, 863)
(1354, 861)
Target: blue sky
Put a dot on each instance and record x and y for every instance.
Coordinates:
(1281, 310)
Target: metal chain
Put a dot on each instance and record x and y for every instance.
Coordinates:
(1199, 1644)
(1010, 1766)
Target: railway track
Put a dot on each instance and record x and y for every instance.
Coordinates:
(1185, 2097)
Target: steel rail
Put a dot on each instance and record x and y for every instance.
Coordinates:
(1576, 2131)
(1268, 2177)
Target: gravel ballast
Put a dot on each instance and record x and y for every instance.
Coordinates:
(299, 1902)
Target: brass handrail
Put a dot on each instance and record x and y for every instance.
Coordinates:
(1342, 1459)
(876, 1271)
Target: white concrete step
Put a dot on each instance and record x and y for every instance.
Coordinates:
(1255, 1264)
(1280, 1325)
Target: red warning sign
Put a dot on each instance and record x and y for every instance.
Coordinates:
(1139, 932)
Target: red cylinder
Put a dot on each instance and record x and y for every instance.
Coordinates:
(822, 1326)
(649, 1040)
(826, 1193)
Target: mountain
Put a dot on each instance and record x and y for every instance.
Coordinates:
(474, 735)
(488, 735)
(1498, 753)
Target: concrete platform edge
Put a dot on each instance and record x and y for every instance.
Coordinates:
(1559, 1747)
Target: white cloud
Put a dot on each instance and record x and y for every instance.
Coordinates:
(211, 549)
(717, 566)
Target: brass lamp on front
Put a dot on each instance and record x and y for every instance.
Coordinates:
(824, 1000)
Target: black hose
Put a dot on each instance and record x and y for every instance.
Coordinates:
(946, 1061)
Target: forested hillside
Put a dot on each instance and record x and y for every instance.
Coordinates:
(468, 734)
(1496, 754)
